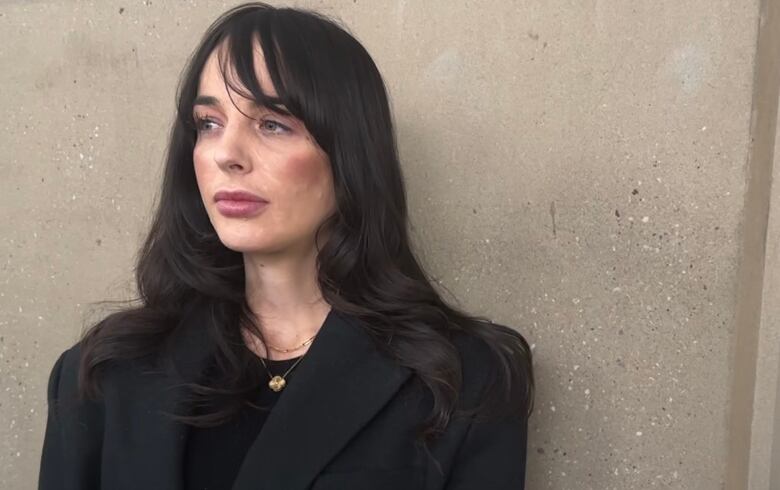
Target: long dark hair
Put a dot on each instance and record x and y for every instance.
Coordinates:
(366, 268)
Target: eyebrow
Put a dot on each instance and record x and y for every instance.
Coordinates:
(212, 101)
(206, 100)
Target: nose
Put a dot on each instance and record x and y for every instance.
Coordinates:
(230, 151)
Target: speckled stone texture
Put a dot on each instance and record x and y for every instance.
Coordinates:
(575, 170)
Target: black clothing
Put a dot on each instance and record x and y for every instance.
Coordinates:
(346, 420)
(214, 454)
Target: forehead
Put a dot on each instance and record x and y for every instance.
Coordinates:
(212, 82)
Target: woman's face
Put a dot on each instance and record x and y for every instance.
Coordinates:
(266, 154)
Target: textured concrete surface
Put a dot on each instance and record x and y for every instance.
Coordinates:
(575, 169)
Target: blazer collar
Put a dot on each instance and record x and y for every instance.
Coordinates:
(340, 384)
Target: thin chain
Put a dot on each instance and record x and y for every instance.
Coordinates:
(270, 376)
(294, 348)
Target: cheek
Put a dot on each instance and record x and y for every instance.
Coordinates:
(201, 169)
(310, 175)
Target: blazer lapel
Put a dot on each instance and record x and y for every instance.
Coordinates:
(339, 385)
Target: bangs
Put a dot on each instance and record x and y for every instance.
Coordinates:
(316, 68)
(236, 59)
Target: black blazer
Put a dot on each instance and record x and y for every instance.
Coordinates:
(344, 422)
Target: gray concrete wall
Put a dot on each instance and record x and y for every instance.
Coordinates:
(578, 170)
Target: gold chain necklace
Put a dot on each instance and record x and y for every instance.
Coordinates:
(294, 348)
(277, 383)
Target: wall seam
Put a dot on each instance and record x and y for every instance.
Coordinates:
(750, 275)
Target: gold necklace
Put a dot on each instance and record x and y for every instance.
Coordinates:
(277, 383)
(294, 348)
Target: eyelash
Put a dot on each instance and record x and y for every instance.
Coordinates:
(201, 120)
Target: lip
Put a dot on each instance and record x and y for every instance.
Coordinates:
(239, 204)
(240, 209)
(238, 196)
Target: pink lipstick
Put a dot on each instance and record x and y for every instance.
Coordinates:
(239, 204)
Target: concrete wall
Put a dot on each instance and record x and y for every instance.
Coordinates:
(579, 170)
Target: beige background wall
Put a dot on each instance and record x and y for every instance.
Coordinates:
(577, 169)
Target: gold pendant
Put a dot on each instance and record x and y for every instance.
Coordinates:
(277, 383)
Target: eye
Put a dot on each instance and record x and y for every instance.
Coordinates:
(201, 123)
(274, 127)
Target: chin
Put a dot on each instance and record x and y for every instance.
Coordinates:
(241, 248)
(240, 243)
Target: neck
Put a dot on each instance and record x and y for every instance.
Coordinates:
(285, 296)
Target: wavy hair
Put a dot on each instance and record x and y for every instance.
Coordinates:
(366, 268)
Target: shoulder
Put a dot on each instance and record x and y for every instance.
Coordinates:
(63, 394)
(496, 369)
(474, 352)
(64, 373)
(476, 360)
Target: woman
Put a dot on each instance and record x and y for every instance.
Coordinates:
(286, 336)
